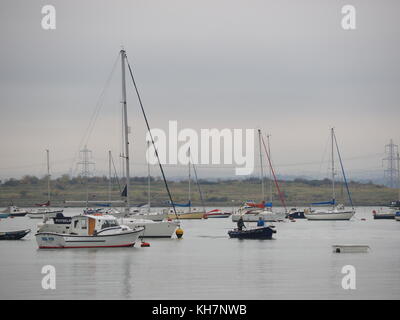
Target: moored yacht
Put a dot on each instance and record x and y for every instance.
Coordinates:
(337, 211)
(86, 231)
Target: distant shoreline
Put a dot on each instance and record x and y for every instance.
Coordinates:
(30, 190)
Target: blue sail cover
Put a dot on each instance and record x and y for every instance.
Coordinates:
(268, 205)
(332, 202)
(185, 205)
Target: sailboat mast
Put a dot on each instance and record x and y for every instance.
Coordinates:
(261, 167)
(48, 175)
(109, 175)
(333, 170)
(126, 129)
(190, 204)
(148, 175)
(398, 174)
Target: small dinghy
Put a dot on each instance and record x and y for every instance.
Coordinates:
(350, 248)
(255, 233)
(294, 213)
(14, 235)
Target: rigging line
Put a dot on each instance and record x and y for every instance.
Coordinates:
(344, 175)
(273, 173)
(96, 111)
(116, 174)
(151, 136)
(198, 184)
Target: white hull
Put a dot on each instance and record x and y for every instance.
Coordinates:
(350, 248)
(151, 216)
(152, 229)
(267, 216)
(49, 240)
(397, 217)
(44, 214)
(329, 215)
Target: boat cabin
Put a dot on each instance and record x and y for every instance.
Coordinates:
(89, 225)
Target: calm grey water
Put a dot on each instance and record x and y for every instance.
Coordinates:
(206, 264)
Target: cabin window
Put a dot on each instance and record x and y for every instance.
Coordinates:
(84, 224)
(109, 224)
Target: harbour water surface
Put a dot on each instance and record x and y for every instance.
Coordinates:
(206, 264)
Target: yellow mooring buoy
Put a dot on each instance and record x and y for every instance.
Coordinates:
(179, 233)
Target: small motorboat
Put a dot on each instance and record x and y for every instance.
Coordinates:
(14, 235)
(217, 213)
(294, 213)
(254, 233)
(14, 211)
(87, 231)
(397, 216)
(4, 215)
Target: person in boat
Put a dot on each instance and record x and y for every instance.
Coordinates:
(240, 224)
(260, 222)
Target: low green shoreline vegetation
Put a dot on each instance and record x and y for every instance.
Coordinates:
(28, 190)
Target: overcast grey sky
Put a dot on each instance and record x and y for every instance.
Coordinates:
(285, 66)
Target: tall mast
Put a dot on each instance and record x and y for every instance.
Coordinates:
(333, 170)
(109, 175)
(270, 169)
(398, 174)
(126, 131)
(48, 175)
(261, 168)
(148, 175)
(190, 204)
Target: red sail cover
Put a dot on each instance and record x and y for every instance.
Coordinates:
(46, 204)
(256, 205)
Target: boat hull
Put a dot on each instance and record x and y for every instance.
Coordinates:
(397, 216)
(296, 215)
(329, 216)
(221, 215)
(4, 215)
(192, 215)
(262, 233)
(152, 229)
(151, 216)
(50, 240)
(18, 214)
(379, 216)
(14, 235)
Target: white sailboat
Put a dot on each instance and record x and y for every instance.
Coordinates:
(44, 211)
(150, 228)
(337, 211)
(252, 212)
